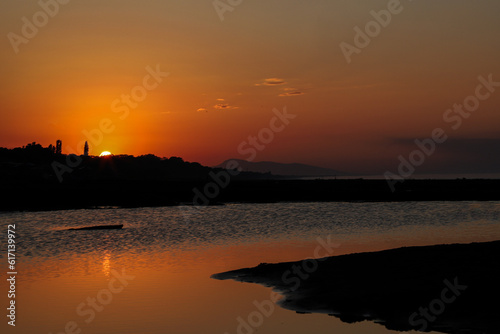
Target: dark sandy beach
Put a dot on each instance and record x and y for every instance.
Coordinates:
(445, 288)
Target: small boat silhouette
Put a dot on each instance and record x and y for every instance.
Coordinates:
(99, 227)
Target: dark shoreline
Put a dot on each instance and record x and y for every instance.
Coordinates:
(88, 194)
(390, 287)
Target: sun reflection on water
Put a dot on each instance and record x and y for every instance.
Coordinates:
(106, 264)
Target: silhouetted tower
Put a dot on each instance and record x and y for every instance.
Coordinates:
(86, 150)
(58, 147)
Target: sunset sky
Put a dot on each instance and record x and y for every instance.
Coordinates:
(226, 77)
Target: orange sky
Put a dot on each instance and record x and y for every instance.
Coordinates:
(356, 117)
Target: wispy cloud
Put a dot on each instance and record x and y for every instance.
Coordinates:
(291, 92)
(271, 82)
(222, 106)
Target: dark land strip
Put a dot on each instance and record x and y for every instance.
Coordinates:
(444, 288)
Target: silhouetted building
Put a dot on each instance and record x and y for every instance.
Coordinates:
(86, 150)
(58, 147)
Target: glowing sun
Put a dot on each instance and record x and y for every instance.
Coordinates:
(105, 154)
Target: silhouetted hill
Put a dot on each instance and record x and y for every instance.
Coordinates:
(277, 168)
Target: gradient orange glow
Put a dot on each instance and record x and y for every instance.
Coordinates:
(354, 117)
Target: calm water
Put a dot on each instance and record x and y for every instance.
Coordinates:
(165, 257)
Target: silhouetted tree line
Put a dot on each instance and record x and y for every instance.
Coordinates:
(34, 162)
(31, 153)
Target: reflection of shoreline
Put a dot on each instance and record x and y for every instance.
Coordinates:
(151, 193)
(390, 286)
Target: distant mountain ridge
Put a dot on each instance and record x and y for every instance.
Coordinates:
(276, 168)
